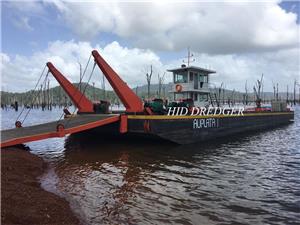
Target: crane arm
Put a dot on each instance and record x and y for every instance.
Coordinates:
(130, 100)
(83, 104)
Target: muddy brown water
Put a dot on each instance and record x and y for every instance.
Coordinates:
(245, 179)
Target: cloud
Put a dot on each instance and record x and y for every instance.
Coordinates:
(278, 67)
(20, 73)
(23, 23)
(281, 67)
(240, 40)
(213, 28)
(25, 6)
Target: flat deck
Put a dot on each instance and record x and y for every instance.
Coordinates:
(47, 130)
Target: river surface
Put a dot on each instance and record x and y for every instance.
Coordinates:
(249, 179)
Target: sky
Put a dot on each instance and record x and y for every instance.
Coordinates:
(241, 40)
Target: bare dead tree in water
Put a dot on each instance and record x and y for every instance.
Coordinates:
(160, 83)
(257, 90)
(262, 92)
(295, 83)
(48, 94)
(274, 91)
(59, 97)
(233, 97)
(216, 98)
(299, 95)
(148, 77)
(246, 93)
(223, 94)
(277, 92)
(210, 98)
(41, 95)
(44, 96)
(103, 87)
(219, 94)
(287, 94)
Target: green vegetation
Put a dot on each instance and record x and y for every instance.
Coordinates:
(56, 95)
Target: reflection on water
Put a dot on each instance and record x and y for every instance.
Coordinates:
(253, 179)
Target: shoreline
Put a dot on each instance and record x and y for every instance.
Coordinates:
(23, 200)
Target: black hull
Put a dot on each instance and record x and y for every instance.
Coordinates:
(196, 129)
(191, 129)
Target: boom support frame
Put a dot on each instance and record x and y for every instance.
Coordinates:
(83, 104)
(131, 101)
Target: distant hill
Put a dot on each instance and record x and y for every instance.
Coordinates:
(58, 96)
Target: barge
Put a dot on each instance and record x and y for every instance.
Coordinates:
(157, 118)
(192, 83)
(190, 89)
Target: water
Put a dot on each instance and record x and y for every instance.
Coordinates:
(253, 179)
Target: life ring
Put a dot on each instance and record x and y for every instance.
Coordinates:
(178, 88)
(60, 127)
(18, 124)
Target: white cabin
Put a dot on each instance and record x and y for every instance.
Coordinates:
(191, 83)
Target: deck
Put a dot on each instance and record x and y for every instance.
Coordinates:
(71, 125)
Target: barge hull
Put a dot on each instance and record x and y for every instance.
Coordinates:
(192, 129)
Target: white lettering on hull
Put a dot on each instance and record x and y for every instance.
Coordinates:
(205, 123)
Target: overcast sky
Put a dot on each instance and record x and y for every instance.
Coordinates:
(240, 40)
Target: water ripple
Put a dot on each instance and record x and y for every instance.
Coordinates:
(253, 179)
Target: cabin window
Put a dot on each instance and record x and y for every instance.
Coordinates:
(201, 78)
(180, 78)
(203, 97)
(191, 76)
(179, 96)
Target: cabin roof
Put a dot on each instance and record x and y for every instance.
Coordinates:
(193, 68)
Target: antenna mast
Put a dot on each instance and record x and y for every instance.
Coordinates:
(189, 57)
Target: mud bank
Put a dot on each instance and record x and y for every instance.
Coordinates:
(23, 201)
